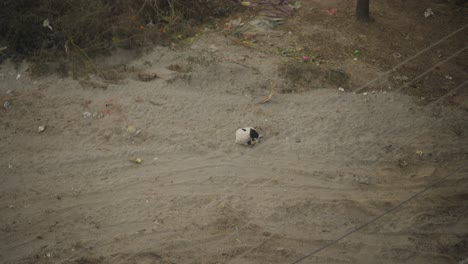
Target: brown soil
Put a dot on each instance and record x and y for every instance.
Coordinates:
(330, 161)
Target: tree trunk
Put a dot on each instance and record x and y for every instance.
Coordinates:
(362, 10)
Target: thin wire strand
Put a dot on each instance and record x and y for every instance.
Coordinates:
(414, 196)
(401, 203)
(432, 68)
(449, 93)
(411, 58)
(439, 99)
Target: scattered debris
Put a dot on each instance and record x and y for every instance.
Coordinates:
(448, 77)
(146, 77)
(245, 3)
(396, 55)
(402, 163)
(234, 23)
(269, 96)
(296, 5)
(94, 84)
(10, 166)
(86, 114)
(18, 76)
(265, 24)
(136, 161)
(131, 129)
(361, 180)
(46, 23)
(212, 48)
(306, 58)
(41, 129)
(179, 68)
(419, 153)
(357, 52)
(428, 13)
(341, 89)
(6, 105)
(247, 136)
(248, 35)
(365, 93)
(331, 11)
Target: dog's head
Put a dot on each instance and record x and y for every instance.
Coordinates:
(247, 136)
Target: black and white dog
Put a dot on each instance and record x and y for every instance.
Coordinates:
(247, 136)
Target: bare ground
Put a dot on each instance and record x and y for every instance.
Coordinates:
(330, 161)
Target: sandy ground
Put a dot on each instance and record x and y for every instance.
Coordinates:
(330, 162)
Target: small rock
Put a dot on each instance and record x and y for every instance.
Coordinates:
(419, 153)
(86, 114)
(365, 93)
(6, 105)
(41, 129)
(428, 13)
(341, 89)
(448, 77)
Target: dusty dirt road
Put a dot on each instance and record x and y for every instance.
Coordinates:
(330, 162)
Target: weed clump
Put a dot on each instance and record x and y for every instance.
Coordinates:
(66, 30)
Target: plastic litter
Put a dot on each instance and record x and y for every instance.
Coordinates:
(136, 161)
(86, 114)
(6, 105)
(331, 11)
(46, 23)
(41, 129)
(428, 13)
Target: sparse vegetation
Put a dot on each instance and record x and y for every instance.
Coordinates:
(77, 30)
